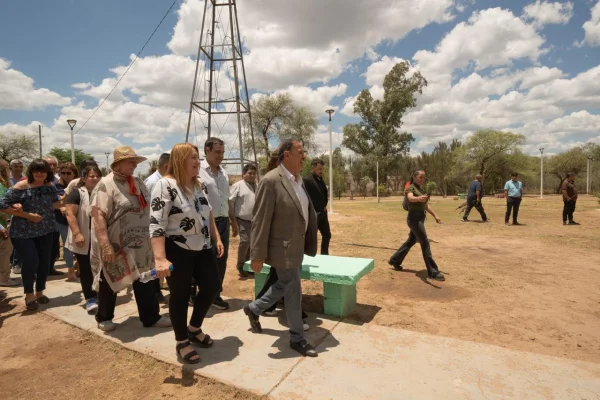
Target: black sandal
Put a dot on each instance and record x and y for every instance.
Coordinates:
(187, 359)
(43, 299)
(32, 305)
(206, 342)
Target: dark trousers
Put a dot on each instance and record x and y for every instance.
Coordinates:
(147, 304)
(245, 228)
(324, 228)
(202, 266)
(55, 249)
(15, 259)
(271, 279)
(416, 223)
(473, 203)
(86, 276)
(223, 228)
(35, 258)
(512, 205)
(568, 210)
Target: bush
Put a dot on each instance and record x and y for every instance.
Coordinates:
(430, 187)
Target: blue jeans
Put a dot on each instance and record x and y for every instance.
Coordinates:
(68, 255)
(223, 228)
(35, 256)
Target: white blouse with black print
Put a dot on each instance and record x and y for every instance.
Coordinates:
(179, 216)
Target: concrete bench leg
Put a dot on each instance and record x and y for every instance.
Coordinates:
(340, 300)
(259, 282)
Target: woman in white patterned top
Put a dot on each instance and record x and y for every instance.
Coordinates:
(181, 227)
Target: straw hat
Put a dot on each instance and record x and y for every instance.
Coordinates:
(123, 153)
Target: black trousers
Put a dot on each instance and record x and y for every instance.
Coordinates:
(55, 249)
(512, 205)
(147, 304)
(568, 210)
(271, 279)
(85, 275)
(473, 203)
(324, 228)
(202, 266)
(416, 223)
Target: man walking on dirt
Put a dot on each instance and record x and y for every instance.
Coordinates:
(474, 199)
(569, 192)
(513, 191)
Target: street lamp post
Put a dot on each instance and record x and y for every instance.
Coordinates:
(107, 154)
(589, 174)
(541, 173)
(330, 163)
(72, 123)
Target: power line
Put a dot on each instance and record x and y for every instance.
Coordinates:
(128, 68)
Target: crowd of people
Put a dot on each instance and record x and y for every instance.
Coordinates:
(177, 224)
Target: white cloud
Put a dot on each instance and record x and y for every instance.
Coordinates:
(317, 100)
(296, 43)
(543, 12)
(592, 27)
(17, 91)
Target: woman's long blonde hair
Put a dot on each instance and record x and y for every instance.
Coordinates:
(179, 153)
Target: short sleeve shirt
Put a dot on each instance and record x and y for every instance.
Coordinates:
(473, 188)
(37, 200)
(183, 218)
(515, 189)
(570, 188)
(243, 197)
(416, 191)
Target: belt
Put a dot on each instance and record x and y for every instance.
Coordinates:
(219, 219)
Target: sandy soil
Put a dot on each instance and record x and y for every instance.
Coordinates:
(43, 358)
(528, 287)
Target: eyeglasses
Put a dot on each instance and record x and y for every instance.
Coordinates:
(66, 173)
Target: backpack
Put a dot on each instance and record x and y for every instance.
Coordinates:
(405, 203)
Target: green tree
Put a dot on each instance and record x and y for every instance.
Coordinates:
(64, 155)
(276, 117)
(574, 160)
(378, 135)
(18, 145)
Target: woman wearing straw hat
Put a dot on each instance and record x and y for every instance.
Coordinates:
(121, 247)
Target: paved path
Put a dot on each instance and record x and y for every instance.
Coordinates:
(355, 361)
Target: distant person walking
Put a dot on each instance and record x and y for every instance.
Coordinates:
(418, 205)
(242, 197)
(513, 191)
(569, 192)
(317, 191)
(474, 196)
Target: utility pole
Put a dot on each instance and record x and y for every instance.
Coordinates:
(107, 154)
(40, 133)
(589, 174)
(330, 163)
(377, 182)
(541, 173)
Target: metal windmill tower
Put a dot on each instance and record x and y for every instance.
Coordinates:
(218, 93)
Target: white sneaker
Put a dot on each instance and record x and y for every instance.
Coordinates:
(163, 322)
(305, 326)
(9, 283)
(16, 269)
(107, 326)
(91, 306)
(270, 313)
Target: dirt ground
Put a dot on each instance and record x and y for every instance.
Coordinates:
(530, 287)
(43, 358)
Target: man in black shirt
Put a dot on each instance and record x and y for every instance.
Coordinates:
(317, 191)
(474, 199)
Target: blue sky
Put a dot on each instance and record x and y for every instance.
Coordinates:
(525, 66)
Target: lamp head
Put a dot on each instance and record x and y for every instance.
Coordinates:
(71, 123)
(330, 112)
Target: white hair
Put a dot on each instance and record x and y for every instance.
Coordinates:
(49, 157)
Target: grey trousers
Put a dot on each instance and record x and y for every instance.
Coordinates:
(289, 287)
(244, 247)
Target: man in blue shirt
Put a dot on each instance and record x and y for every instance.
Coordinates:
(513, 191)
(474, 199)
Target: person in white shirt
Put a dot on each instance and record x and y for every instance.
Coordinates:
(242, 198)
(163, 165)
(215, 182)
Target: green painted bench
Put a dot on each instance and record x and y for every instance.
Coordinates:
(338, 274)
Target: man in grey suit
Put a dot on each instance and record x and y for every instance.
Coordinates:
(284, 228)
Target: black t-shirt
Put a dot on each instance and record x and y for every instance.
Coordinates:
(74, 197)
(58, 215)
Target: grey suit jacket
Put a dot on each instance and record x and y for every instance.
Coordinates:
(278, 226)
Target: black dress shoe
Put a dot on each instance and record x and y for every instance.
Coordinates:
(254, 322)
(396, 266)
(304, 348)
(54, 272)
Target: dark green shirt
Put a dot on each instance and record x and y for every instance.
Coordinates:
(416, 191)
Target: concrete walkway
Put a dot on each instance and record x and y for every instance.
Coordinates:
(355, 361)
